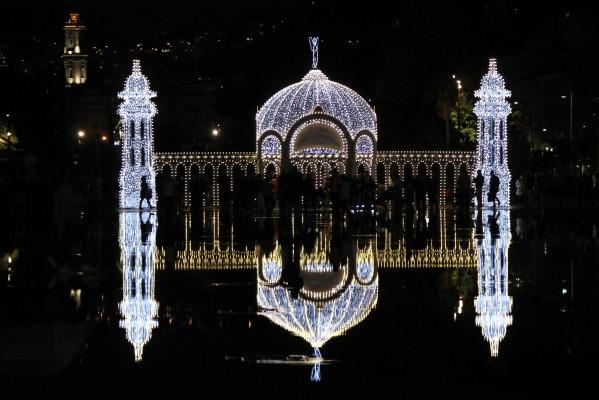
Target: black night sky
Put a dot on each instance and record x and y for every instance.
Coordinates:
(226, 58)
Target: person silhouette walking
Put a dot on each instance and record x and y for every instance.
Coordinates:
(494, 189)
(479, 181)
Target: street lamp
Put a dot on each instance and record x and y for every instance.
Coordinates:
(81, 134)
(564, 97)
(459, 83)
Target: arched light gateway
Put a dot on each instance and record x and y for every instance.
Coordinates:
(317, 125)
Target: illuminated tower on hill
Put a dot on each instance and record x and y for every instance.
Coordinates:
(75, 62)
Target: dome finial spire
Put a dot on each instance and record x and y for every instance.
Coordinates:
(136, 66)
(493, 65)
(314, 47)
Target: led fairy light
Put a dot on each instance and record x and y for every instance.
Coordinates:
(364, 145)
(492, 110)
(136, 112)
(137, 240)
(271, 146)
(493, 304)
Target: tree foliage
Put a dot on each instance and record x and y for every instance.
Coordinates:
(466, 131)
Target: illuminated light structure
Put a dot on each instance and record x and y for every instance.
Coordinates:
(329, 302)
(316, 124)
(139, 309)
(136, 113)
(492, 110)
(493, 304)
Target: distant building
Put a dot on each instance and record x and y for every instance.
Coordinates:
(75, 62)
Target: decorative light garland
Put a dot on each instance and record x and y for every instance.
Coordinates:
(492, 111)
(137, 240)
(493, 304)
(136, 113)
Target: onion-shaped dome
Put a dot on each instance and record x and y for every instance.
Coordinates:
(290, 104)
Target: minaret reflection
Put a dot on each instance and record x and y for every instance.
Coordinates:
(318, 290)
(493, 304)
(137, 240)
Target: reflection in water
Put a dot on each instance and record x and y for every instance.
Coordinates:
(493, 304)
(137, 240)
(438, 247)
(318, 294)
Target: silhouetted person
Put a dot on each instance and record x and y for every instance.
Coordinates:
(145, 193)
(145, 227)
(493, 225)
(494, 189)
(479, 181)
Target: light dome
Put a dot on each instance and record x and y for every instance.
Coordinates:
(318, 322)
(329, 303)
(290, 104)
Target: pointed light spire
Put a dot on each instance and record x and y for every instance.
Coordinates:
(136, 66)
(314, 47)
(493, 66)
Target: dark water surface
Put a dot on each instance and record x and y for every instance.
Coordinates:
(222, 304)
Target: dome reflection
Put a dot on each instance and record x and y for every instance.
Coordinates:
(320, 294)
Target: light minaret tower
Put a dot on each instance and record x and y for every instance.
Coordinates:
(139, 309)
(75, 63)
(492, 110)
(493, 304)
(137, 142)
